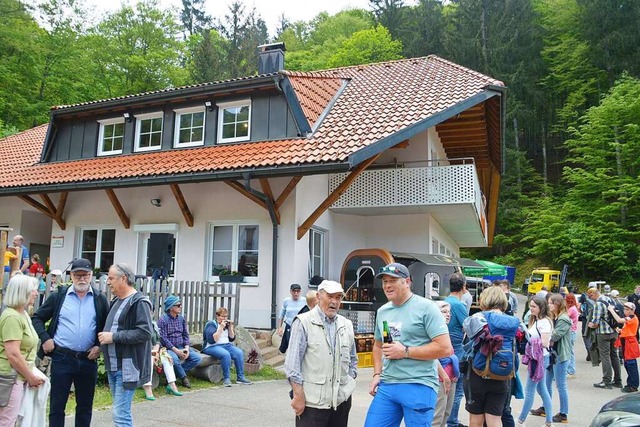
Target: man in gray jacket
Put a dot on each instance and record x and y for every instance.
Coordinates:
(322, 386)
(126, 342)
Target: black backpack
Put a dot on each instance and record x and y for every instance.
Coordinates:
(608, 317)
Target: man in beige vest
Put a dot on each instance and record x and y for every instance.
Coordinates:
(321, 362)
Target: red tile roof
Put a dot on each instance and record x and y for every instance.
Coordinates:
(379, 100)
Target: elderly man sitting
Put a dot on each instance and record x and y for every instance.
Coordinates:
(174, 336)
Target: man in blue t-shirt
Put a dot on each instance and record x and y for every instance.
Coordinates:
(405, 379)
(290, 309)
(459, 312)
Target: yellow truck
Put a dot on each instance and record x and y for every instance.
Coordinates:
(544, 276)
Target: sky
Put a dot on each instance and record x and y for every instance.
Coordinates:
(270, 10)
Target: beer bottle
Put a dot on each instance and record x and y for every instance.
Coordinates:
(386, 334)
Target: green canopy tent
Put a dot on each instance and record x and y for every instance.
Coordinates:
(472, 268)
(493, 268)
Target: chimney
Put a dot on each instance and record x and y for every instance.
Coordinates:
(270, 58)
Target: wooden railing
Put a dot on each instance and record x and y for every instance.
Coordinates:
(200, 300)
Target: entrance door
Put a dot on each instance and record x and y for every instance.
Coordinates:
(158, 254)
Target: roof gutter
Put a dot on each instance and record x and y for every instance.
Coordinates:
(418, 127)
(170, 94)
(236, 174)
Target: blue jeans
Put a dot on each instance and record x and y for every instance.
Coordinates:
(122, 398)
(530, 391)
(631, 366)
(559, 372)
(415, 402)
(453, 421)
(226, 352)
(571, 368)
(181, 367)
(67, 370)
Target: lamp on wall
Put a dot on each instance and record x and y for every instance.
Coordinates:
(209, 105)
(127, 117)
(156, 202)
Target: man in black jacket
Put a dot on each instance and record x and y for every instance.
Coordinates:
(77, 313)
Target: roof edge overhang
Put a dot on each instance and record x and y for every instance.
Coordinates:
(167, 95)
(226, 175)
(502, 90)
(422, 125)
(294, 105)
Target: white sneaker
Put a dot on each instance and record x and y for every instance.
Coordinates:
(519, 423)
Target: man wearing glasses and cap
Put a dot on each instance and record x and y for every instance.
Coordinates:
(77, 313)
(321, 363)
(405, 381)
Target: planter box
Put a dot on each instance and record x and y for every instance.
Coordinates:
(231, 279)
(251, 368)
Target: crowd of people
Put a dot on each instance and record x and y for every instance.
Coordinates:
(428, 354)
(74, 326)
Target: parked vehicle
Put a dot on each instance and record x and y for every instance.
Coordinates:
(623, 411)
(363, 291)
(544, 276)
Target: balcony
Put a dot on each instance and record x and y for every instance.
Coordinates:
(450, 194)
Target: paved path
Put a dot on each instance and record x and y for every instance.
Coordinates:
(267, 403)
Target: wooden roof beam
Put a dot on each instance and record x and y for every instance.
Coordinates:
(118, 207)
(266, 189)
(287, 190)
(39, 206)
(62, 202)
(182, 203)
(54, 211)
(240, 188)
(335, 195)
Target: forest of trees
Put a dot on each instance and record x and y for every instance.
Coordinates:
(570, 193)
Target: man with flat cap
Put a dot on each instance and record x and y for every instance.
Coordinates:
(321, 363)
(174, 336)
(291, 306)
(77, 313)
(405, 381)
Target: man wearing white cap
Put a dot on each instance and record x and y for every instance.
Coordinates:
(321, 362)
(405, 381)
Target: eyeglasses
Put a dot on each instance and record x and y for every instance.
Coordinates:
(81, 275)
(177, 305)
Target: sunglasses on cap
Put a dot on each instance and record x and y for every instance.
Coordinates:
(392, 269)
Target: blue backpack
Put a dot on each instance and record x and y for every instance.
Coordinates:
(501, 364)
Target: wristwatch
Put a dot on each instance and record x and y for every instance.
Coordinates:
(406, 351)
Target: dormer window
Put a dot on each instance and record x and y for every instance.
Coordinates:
(234, 119)
(148, 131)
(189, 127)
(111, 136)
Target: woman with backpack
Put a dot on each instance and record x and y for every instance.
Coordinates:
(561, 345)
(492, 368)
(540, 329)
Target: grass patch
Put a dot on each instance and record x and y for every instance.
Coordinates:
(102, 398)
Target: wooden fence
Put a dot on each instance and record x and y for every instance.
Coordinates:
(200, 300)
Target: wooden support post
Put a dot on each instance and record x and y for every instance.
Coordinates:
(4, 239)
(184, 208)
(60, 210)
(492, 207)
(335, 195)
(118, 207)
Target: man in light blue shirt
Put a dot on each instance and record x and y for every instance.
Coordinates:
(76, 314)
(290, 309)
(459, 312)
(405, 380)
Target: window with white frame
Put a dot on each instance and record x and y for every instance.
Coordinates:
(434, 246)
(234, 247)
(442, 249)
(234, 119)
(111, 136)
(98, 246)
(317, 255)
(148, 131)
(189, 127)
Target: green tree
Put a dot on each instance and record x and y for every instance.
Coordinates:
(367, 46)
(136, 50)
(193, 17)
(207, 57)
